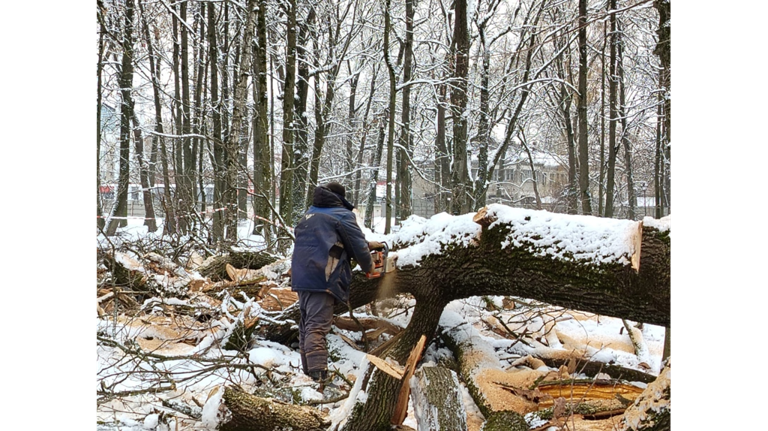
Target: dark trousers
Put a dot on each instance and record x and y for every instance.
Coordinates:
(316, 317)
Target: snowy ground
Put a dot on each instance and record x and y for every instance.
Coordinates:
(180, 386)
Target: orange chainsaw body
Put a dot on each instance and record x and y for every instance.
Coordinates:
(379, 258)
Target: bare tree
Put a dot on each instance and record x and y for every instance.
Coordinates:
(100, 223)
(390, 113)
(287, 162)
(262, 166)
(586, 204)
(663, 153)
(612, 146)
(126, 85)
(460, 183)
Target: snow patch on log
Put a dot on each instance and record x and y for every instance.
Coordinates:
(424, 237)
(565, 236)
(663, 224)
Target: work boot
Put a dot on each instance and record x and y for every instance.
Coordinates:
(319, 376)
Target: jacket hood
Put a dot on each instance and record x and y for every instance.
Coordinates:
(325, 198)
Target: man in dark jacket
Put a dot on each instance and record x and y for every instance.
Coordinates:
(327, 238)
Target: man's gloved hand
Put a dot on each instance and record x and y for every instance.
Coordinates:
(375, 245)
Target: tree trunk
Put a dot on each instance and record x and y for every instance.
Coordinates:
(404, 208)
(634, 285)
(138, 142)
(249, 412)
(437, 400)
(617, 287)
(625, 134)
(360, 154)
(287, 162)
(460, 183)
(186, 188)
(158, 140)
(612, 148)
(219, 157)
(652, 410)
(586, 202)
(126, 84)
(375, 174)
(262, 166)
(390, 115)
(301, 148)
(233, 144)
(475, 358)
(442, 155)
(100, 223)
(663, 50)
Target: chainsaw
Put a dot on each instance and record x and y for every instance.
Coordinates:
(379, 258)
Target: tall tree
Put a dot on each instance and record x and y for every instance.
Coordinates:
(287, 162)
(612, 90)
(186, 187)
(100, 223)
(664, 33)
(233, 144)
(632, 200)
(262, 166)
(302, 154)
(390, 113)
(126, 85)
(404, 153)
(460, 183)
(663, 152)
(219, 160)
(586, 201)
(158, 138)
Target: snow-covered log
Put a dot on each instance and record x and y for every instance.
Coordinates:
(216, 269)
(612, 267)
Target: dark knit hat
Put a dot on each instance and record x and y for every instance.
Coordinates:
(336, 188)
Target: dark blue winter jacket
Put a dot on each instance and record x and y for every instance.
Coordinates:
(327, 238)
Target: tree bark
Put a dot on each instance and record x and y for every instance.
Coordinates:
(390, 115)
(612, 147)
(262, 167)
(287, 162)
(460, 183)
(437, 399)
(663, 50)
(126, 84)
(100, 223)
(652, 410)
(586, 199)
(233, 144)
(249, 412)
(404, 207)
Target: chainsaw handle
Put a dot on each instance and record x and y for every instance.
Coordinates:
(372, 274)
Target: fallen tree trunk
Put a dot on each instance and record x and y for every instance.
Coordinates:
(248, 412)
(617, 268)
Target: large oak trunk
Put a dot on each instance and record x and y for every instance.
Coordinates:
(500, 256)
